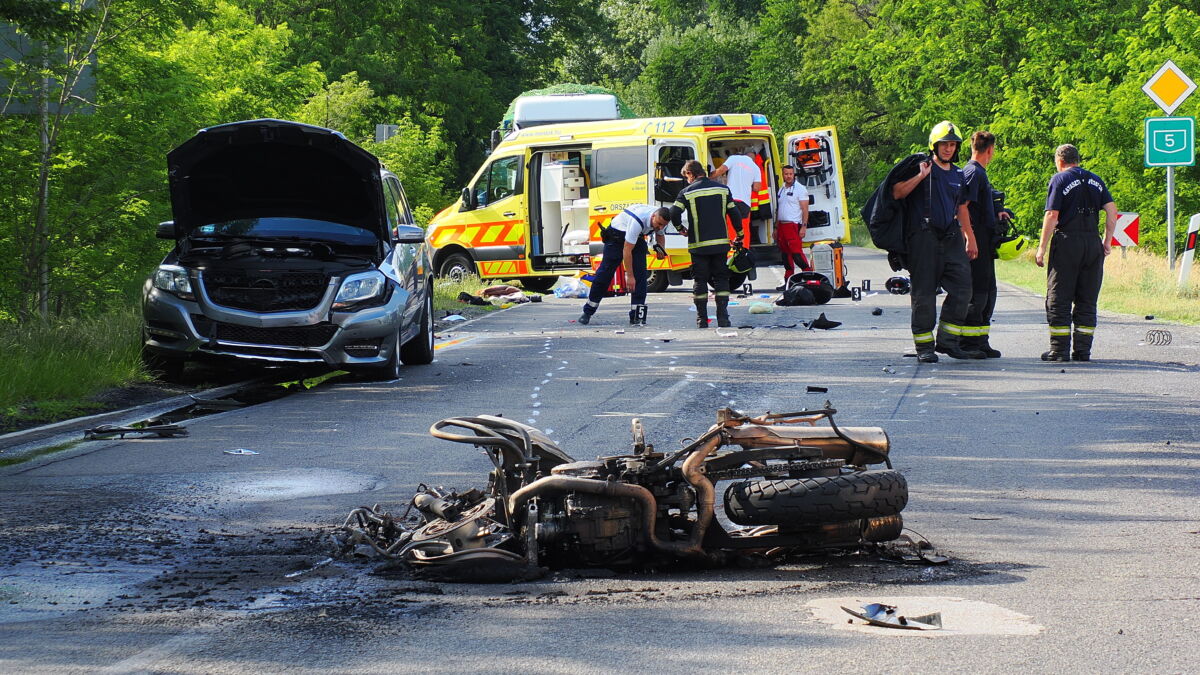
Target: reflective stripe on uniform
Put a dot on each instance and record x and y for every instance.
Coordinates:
(700, 297)
(1060, 330)
(722, 294)
(920, 338)
(969, 331)
(952, 328)
(1086, 330)
(708, 242)
(983, 330)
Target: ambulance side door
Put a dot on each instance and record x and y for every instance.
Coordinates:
(818, 161)
(667, 157)
(618, 180)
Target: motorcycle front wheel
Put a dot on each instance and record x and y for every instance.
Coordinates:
(797, 502)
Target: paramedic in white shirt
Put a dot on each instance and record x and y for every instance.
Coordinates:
(625, 243)
(791, 224)
(744, 179)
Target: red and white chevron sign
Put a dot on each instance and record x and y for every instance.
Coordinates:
(1127, 229)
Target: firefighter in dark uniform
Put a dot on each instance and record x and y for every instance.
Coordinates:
(987, 225)
(1074, 201)
(940, 244)
(707, 203)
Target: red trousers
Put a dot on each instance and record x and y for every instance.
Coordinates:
(791, 245)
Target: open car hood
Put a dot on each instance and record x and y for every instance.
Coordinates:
(274, 168)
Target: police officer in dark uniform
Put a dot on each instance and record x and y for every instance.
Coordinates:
(1074, 201)
(987, 225)
(940, 242)
(707, 203)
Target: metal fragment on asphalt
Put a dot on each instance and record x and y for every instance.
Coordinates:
(887, 616)
(240, 451)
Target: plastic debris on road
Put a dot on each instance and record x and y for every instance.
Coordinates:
(761, 308)
(240, 451)
(570, 287)
(454, 317)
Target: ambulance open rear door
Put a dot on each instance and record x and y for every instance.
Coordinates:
(818, 161)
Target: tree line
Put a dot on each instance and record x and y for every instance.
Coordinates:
(97, 91)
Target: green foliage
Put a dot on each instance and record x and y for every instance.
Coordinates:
(423, 159)
(53, 367)
(343, 105)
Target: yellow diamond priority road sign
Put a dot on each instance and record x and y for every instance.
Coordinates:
(1169, 87)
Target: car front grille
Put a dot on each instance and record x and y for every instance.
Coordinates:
(265, 291)
(285, 336)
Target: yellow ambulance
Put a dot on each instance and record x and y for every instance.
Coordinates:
(534, 210)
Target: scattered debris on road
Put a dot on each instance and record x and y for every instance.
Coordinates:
(319, 565)
(822, 323)
(1158, 338)
(879, 614)
(240, 451)
(878, 311)
(150, 427)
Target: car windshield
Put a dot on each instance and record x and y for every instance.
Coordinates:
(287, 228)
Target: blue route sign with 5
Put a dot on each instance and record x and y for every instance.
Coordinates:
(1170, 141)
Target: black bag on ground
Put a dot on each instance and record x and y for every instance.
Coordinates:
(796, 296)
(816, 283)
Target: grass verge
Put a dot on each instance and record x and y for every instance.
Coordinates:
(445, 295)
(52, 368)
(1135, 282)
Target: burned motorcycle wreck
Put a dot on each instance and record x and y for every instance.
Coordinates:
(788, 484)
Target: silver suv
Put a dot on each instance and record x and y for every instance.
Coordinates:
(292, 246)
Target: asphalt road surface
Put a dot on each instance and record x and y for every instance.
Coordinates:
(1065, 495)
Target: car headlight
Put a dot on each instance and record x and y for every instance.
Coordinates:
(360, 288)
(174, 280)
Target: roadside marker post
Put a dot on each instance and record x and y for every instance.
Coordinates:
(1189, 251)
(1126, 234)
(1170, 142)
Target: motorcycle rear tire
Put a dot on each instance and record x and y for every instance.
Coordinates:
(796, 502)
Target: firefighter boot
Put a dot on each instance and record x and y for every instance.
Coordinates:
(926, 355)
(701, 314)
(1060, 348)
(982, 345)
(1082, 350)
(952, 346)
(723, 311)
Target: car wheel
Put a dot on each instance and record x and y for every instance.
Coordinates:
(389, 370)
(538, 284)
(658, 282)
(419, 350)
(456, 267)
(163, 368)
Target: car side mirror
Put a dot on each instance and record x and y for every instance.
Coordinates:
(409, 234)
(166, 230)
(468, 201)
